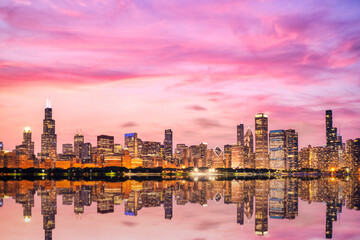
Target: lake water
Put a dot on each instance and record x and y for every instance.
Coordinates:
(178, 209)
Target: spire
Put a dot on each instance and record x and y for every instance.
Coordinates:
(48, 103)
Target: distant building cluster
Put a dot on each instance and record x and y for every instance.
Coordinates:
(274, 149)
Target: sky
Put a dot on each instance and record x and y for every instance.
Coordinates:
(197, 67)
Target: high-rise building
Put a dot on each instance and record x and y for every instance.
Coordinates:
(131, 143)
(353, 150)
(67, 149)
(240, 134)
(277, 149)
(27, 142)
(117, 148)
(291, 149)
(78, 141)
(48, 138)
(249, 149)
(27, 146)
(168, 145)
(85, 152)
(150, 149)
(261, 141)
(105, 145)
(1, 146)
(227, 155)
(331, 132)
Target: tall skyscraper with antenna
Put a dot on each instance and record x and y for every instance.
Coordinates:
(48, 138)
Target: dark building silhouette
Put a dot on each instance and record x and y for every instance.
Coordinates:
(48, 138)
(168, 145)
(85, 152)
(240, 134)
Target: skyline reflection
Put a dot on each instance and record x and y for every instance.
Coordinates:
(257, 202)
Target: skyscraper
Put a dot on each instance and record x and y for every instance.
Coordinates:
(67, 149)
(27, 142)
(249, 149)
(331, 132)
(277, 149)
(291, 149)
(48, 138)
(105, 145)
(78, 141)
(1, 146)
(131, 143)
(353, 150)
(240, 134)
(27, 146)
(261, 141)
(85, 152)
(168, 145)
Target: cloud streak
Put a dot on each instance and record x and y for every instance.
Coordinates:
(191, 66)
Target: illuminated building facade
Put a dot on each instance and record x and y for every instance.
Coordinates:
(227, 155)
(131, 143)
(353, 151)
(215, 159)
(277, 199)
(150, 149)
(168, 145)
(240, 134)
(249, 149)
(261, 206)
(261, 141)
(48, 138)
(27, 146)
(67, 149)
(182, 155)
(78, 141)
(85, 153)
(117, 148)
(105, 145)
(277, 149)
(291, 149)
(237, 156)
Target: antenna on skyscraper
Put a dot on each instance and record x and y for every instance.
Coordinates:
(48, 103)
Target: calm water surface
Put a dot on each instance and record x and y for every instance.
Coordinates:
(177, 209)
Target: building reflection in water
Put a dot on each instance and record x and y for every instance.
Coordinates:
(276, 199)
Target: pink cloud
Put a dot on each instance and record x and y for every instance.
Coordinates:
(114, 62)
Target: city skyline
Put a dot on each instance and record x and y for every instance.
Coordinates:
(145, 66)
(93, 139)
